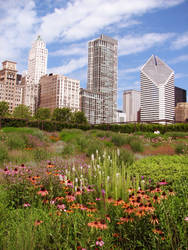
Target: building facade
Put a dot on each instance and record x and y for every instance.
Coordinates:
(37, 67)
(181, 112)
(157, 91)
(180, 95)
(102, 76)
(58, 91)
(131, 104)
(10, 87)
(121, 116)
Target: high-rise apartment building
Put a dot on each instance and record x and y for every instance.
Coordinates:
(37, 67)
(131, 104)
(102, 77)
(58, 91)
(180, 95)
(181, 112)
(157, 91)
(10, 87)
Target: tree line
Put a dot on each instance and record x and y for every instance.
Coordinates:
(59, 114)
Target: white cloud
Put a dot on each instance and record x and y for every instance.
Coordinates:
(181, 75)
(73, 65)
(18, 20)
(181, 41)
(83, 18)
(72, 50)
(179, 59)
(134, 44)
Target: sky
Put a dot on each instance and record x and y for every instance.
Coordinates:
(142, 28)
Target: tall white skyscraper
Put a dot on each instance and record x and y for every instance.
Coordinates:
(37, 62)
(37, 67)
(131, 104)
(157, 91)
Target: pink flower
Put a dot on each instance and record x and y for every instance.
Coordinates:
(97, 199)
(163, 182)
(42, 192)
(61, 206)
(26, 205)
(99, 242)
(186, 219)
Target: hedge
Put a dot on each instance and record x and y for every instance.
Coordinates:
(51, 126)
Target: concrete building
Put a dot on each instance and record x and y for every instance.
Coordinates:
(181, 112)
(121, 116)
(157, 91)
(131, 104)
(93, 105)
(58, 91)
(180, 95)
(37, 67)
(10, 87)
(102, 78)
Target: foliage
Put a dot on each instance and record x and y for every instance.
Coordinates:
(3, 109)
(170, 168)
(43, 114)
(22, 111)
(62, 115)
(3, 153)
(181, 148)
(79, 117)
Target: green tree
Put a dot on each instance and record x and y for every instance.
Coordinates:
(22, 111)
(43, 114)
(62, 114)
(79, 117)
(3, 109)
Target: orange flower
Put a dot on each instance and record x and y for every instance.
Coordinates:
(42, 192)
(38, 222)
(118, 202)
(154, 220)
(110, 200)
(69, 211)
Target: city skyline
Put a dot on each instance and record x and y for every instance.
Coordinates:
(142, 28)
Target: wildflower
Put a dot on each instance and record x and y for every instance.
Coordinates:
(97, 199)
(70, 197)
(156, 199)
(99, 242)
(171, 192)
(154, 220)
(69, 183)
(42, 192)
(163, 195)
(26, 205)
(38, 222)
(89, 189)
(108, 218)
(110, 200)
(186, 219)
(61, 206)
(163, 182)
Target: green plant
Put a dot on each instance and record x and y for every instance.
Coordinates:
(40, 154)
(16, 141)
(180, 148)
(68, 150)
(136, 145)
(119, 140)
(3, 153)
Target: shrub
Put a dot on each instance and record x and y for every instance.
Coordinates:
(15, 141)
(93, 146)
(40, 154)
(68, 135)
(3, 153)
(68, 150)
(119, 140)
(180, 148)
(126, 157)
(136, 145)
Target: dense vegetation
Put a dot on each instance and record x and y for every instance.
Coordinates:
(93, 189)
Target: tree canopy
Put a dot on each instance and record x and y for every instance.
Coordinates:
(43, 114)
(79, 117)
(62, 114)
(22, 111)
(4, 109)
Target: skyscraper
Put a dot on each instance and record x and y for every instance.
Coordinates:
(180, 95)
(102, 74)
(157, 91)
(131, 104)
(10, 87)
(37, 62)
(37, 67)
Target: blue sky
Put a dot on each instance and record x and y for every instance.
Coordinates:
(142, 27)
